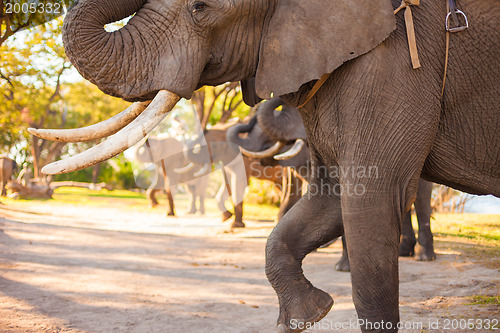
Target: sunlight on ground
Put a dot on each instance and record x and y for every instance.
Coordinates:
(138, 201)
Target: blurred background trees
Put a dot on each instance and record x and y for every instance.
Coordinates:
(40, 88)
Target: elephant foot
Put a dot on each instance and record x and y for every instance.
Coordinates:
(343, 265)
(226, 215)
(238, 224)
(170, 214)
(301, 312)
(424, 254)
(407, 247)
(192, 211)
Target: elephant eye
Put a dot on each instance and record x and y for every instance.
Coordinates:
(198, 6)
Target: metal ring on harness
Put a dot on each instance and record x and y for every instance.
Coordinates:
(460, 28)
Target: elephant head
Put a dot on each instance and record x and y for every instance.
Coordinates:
(251, 137)
(170, 48)
(274, 137)
(211, 148)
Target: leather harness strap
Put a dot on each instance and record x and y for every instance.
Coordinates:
(451, 8)
(410, 30)
(412, 44)
(315, 88)
(447, 50)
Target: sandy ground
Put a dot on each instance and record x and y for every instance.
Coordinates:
(100, 269)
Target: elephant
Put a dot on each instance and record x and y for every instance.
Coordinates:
(213, 148)
(7, 169)
(345, 65)
(255, 139)
(168, 156)
(286, 126)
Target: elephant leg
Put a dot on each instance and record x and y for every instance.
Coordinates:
(201, 191)
(292, 192)
(372, 226)
(238, 216)
(151, 195)
(408, 240)
(192, 191)
(310, 223)
(3, 180)
(170, 200)
(343, 264)
(425, 246)
(221, 198)
(236, 180)
(201, 198)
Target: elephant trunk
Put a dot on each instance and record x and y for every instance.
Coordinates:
(117, 62)
(233, 134)
(287, 126)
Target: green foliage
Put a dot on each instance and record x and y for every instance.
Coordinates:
(31, 65)
(86, 104)
(484, 300)
(117, 172)
(262, 192)
(16, 15)
(34, 92)
(467, 226)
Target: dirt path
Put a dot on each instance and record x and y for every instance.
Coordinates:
(97, 269)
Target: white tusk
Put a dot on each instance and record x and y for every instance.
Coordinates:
(265, 153)
(93, 132)
(202, 171)
(292, 152)
(128, 136)
(185, 168)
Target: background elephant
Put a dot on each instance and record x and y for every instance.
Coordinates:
(168, 156)
(286, 126)
(250, 137)
(7, 169)
(369, 109)
(196, 187)
(213, 149)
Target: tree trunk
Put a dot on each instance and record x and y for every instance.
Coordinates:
(96, 170)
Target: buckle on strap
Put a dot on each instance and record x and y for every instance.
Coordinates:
(458, 28)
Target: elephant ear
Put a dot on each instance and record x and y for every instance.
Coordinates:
(306, 39)
(249, 94)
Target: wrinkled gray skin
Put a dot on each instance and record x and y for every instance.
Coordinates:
(255, 140)
(7, 168)
(168, 154)
(374, 110)
(287, 126)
